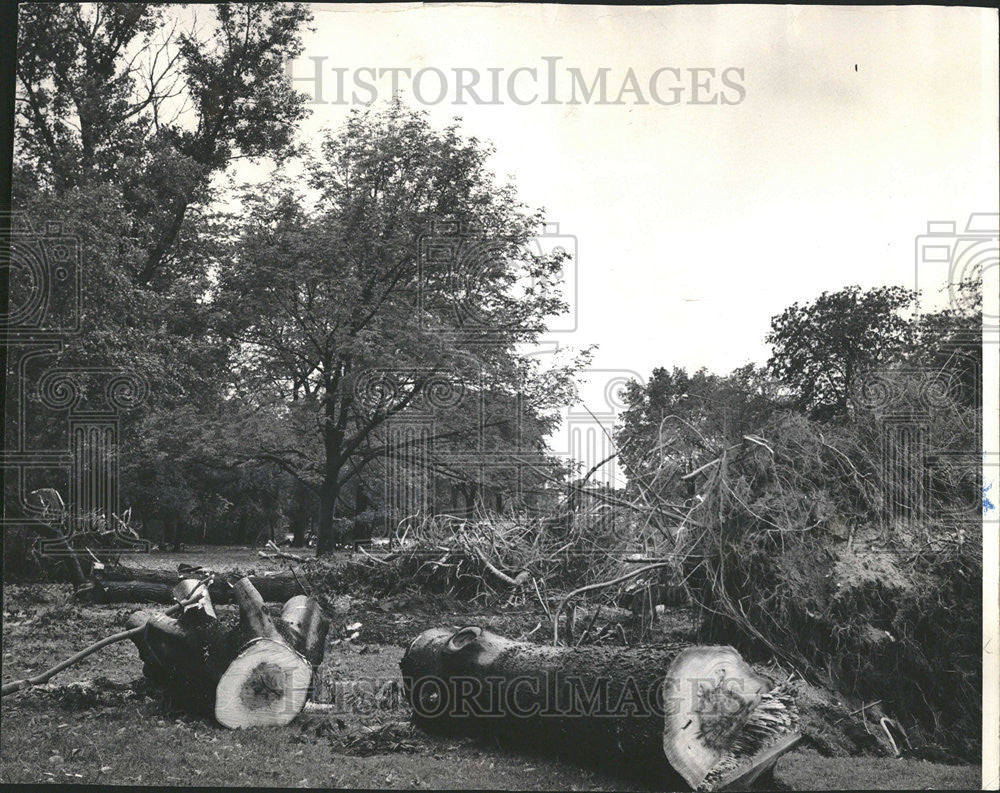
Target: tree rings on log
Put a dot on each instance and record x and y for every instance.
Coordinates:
(682, 714)
(266, 685)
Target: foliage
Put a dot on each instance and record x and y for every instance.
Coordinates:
(822, 350)
(343, 329)
(720, 408)
(845, 542)
(487, 559)
(124, 120)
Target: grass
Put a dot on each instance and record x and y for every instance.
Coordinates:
(136, 737)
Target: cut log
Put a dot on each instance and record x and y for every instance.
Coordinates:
(188, 653)
(268, 682)
(685, 715)
(255, 673)
(307, 627)
(266, 685)
(136, 585)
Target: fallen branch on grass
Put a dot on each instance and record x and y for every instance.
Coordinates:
(519, 581)
(44, 677)
(272, 551)
(138, 585)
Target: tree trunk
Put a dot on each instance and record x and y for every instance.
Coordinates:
(469, 492)
(175, 535)
(136, 585)
(682, 714)
(255, 673)
(361, 530)
(243, 527)
(298, 521)
(54, 536)
(325, 539)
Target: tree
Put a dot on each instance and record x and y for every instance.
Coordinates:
(123, 121)
(950, 341)
(681, 416)
(109, 94)
(344, 325)
(824, 349)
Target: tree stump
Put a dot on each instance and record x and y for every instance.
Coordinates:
(255, 673)
(684, 715)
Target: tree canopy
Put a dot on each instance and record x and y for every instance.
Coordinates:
(823, 349)
(404, 289)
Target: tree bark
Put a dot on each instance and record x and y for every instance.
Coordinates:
(682, 714)
(55, 535)
(298, 521)
(257, 672)
(136, 585)
(307, 626)
(325, 539)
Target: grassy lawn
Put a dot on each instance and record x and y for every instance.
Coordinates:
(126, 733)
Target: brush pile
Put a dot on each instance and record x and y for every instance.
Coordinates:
(490, 560)
(787, 553)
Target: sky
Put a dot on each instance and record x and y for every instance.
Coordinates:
(836, 135)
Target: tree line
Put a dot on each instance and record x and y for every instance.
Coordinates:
(346, 345)
(304, 349)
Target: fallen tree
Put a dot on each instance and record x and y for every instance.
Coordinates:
(257, 672)
(683, 714)
(139, 585)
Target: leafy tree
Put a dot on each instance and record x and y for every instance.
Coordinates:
(823, 349)
(682, 416)
(343, 327)
(950, 341)
(506, 431)
(109, 94)
(123, 122)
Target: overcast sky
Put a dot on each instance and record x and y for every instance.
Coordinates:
(836, 136)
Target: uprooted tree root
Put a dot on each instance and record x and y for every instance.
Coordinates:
(798, 566)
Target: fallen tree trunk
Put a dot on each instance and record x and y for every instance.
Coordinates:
(682, 714)
(258, 672)
(136, 585)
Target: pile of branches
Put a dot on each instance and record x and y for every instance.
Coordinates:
(785, 550)
(488, 559)
(64, 543)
